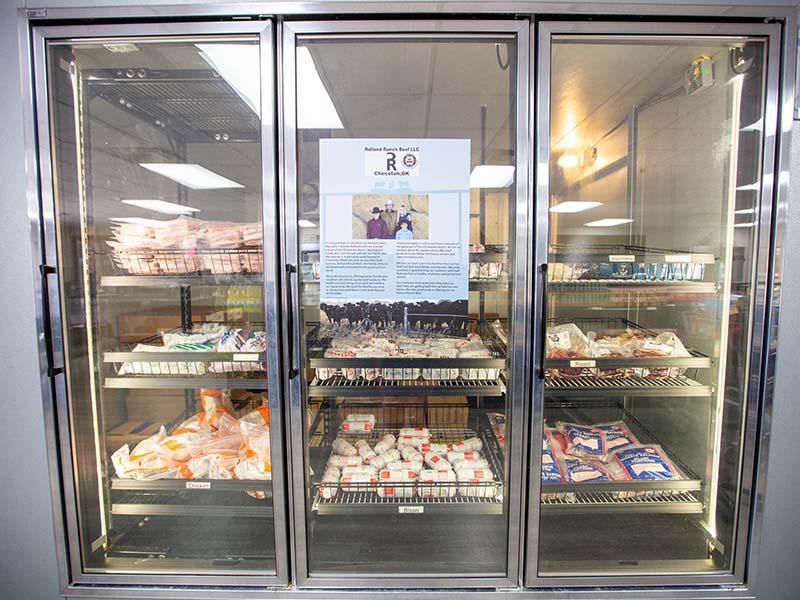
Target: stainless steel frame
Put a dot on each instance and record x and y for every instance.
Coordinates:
(40, 210)
(669, 31)
(45, 225)
(516, 404)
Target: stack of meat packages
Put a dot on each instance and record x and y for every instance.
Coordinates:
(369, 345)
(405, 464)
(187, 245)
(568, 341)
(575, 453)
(213, 444)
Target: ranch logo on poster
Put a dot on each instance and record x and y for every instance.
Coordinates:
(394, 233)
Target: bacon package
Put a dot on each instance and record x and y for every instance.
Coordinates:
(584, 441)
(644, 463)
(567, 341)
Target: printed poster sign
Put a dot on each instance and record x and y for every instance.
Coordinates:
(394, 232)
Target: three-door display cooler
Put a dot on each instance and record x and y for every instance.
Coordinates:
(407, 304)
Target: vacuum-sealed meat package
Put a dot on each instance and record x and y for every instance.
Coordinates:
(476, 483)
(617, 435)
(406, 465)
(473, 444)
(643, 463)
(343, 448)
(436, 461)
(567, 341)
(387, 442)
(435, 483)
(580, 470)
(551, 467)
(666, 345)
(584, 441)
(611, 348)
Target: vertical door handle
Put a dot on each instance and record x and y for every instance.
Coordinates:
(52, 370)
(290, 271)
(540, 371)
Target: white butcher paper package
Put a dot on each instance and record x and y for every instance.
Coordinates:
(213, 444)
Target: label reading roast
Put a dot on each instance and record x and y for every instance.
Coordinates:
(198, 485)
(581, 363)
(411, 510)
(621, 258)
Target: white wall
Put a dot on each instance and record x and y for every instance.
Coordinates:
(27, 555)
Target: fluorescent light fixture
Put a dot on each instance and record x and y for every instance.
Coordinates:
(608, 222)
(192, 176)
(238, 64)
(168, 208)
(491, 176)
(572, 206)
(752, 224)
(138, 221)
(752, 127)
(315, 109)
(751, 187)
(306, 223)
(567, 161)
(746, 211)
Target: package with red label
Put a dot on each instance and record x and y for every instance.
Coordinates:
(584, 441)
(359, 482)
(396, 483)
(476, 483)
(436, 461)
(436, 483)
(473, 444)
(330, 483)
(617, 435)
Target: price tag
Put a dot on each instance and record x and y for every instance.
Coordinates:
(581, 363)
(245, 357)
(198, 485)
(682, 258)
(621, 258)
(411, 510)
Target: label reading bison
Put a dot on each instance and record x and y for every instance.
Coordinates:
(394, 232)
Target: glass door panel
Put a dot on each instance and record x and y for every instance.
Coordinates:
(406, 157)
(159, 199)
(654, 189)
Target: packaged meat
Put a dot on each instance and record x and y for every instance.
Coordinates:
(475, 474)
(643, 463)
(387, 442)
(436, 483)
(380, 461)
(361, 469)
(498, 423)
(360, 418)
(411, 453)
(415, 432)
(584, 441)
(408, 465)
(567, 341)
(551, 468)
(411, 440)
(617, 435)
(436, 461)
(434, 448)
(475, 483)
(365, 451)
(454, 456)
(343, 448)
(579, 470)
(360, 482)
(475, 463)
(665, 344)
(397, 475)
(357, 427)
(341, 462)
(611, 348)
(474, 444)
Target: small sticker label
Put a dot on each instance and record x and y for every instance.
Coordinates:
(678, 258)
(581, 363)
(621, 258)
(198, 485)
(411, 510)
(245, 357)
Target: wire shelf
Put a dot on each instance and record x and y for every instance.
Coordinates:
(341, 386)
(630, 386)
(682, 503)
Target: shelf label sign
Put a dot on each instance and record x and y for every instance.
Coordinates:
(394, 232)
(198, 485)
(582, 363)
(246, 357)
(621, 258)
(411, 510)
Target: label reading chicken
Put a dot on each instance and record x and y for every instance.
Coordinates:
(394, 232)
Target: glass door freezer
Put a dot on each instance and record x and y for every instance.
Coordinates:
(406, 229)
(656, 146)
(160, 248)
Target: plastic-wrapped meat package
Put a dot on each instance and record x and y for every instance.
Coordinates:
(208, 333)
(498, 422)
(474, 483)
(434, 448)
(323, 374)
(182, 232)
(567, 341)
(611, 348)
(361, 469)
(473, 444)
(344, 448)
(254, 452)
(330, 483)
(379, 462)
(551, 468)
(148, 367)
(240, 341)
(396, 483)
(411, 453)
(252, 234)
(360, 482)
(341, 462)
(665, 344)
(415, 432)
(584, 441)
(221, 234)
(387, 442)
(358, 423)
(617, 435)
(365, 451)
(454, 456)
(643, 463)
(436, 461)
(415, 441)
(435, 483)
(407, 465)
(580, 470)
(475, 463)
(144, 461)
